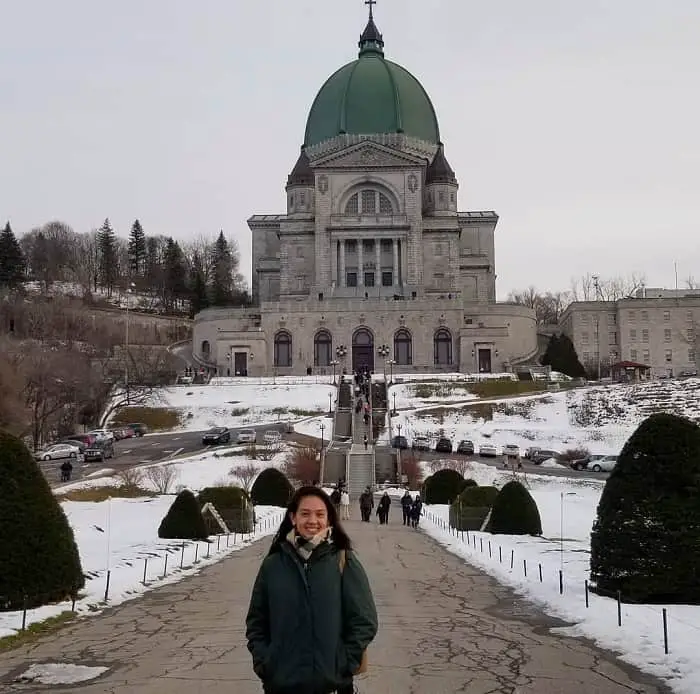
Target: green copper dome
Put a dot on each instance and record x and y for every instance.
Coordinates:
(371, 96)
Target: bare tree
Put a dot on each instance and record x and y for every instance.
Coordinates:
(303, 465)
(245, 474)
(130, 478)
(548, 306)
(162, 477)
(585, 287)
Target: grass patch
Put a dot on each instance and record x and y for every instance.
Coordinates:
(298, 412)
(234, 453)
(97, 494)
(490, 389)
(34, 631)
(155, 418)
(240, 411)
(278, 410)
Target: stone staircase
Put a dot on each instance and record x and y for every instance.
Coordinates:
(360, 472)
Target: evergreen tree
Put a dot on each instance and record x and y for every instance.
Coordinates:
(646, 537)
(174, 271)
(12, 262)
(40, 261)
(443, 487)
(223, 266)
(40, 559)
(271, 488)
(515, 512)
(137, 250)
(561, 356)
(199, 298)
(184, 520)
(107, 245)
(153, 274)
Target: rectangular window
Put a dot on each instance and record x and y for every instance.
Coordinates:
(612, 319)
(667, 335)
(369, 202)
(645, 335)
(668, 356)
(612, 338)
(632, 316)
(689, 315)
(351, 279)
(667, 316)
(633, 355)
(645, 316)
(586, 357)
(691, 356)
(690, 334)
(584, 338)
(633, 335)
(585, 319)
(387, 278)
(645, 356)
(369, 279)
(367, 246)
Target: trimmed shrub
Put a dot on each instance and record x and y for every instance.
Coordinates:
(271, 488)
(469, 482)
(443, 487)
(470, 509)
(183, 521)
(38, 554)
(515, 512)
(233, 505)
(646, 537)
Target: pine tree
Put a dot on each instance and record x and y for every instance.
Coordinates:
(174, 270)
(561, 356)
(137, 250)
(153, 273)
(197, 285)
(107, 245)
(12, 262)
(223, 266)
(40, 261)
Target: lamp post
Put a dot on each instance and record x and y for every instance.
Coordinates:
(126, 341)
(251, 356)
(334, 363)
(383, 352)
(323, 428)
(391, 363)
(398, 455)
(394, 396)
(330, 404)
(341, 351)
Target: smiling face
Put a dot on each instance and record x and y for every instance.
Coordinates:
(311, 517)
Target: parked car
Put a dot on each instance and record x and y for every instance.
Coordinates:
(121, 433)
(216, 435)
(542, 454)
(583, 463)
(488, 450)
(443, 445)
(510, 450)
(99, 452)
(100, 434)
(58, 451)
(138, 429)
(421, 443)
(272, 437)
(605, 464)
(82, 439)
(399, 442)
(246, 436)
(465, 447)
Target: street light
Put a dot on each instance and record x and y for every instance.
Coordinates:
(398, 454)
(391, 363)
(330, 404)
(334, 363)
(394, 396)
(383, 352)
(323, 428)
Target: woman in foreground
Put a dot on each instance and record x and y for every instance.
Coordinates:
(312, 614)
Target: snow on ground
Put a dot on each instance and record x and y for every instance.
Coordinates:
(568, 508)
(312, 427)
(234, 402)
(59, 673)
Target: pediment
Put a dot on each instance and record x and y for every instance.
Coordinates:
(368, 155)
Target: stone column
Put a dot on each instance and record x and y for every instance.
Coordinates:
(341, 278)
(378, 263)
(396, 262)
(360, 263)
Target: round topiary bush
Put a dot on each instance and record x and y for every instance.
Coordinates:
(470, 509)
(39, 558)
(271, 488)
(515, 512)
(184, 521)
(234, 506)
(646, 537)
(443, 487)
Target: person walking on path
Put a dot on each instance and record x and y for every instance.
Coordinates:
(345, 504)
(66, 471)
(416, 510)
(366, 504)
(336, 499)
(383, 509)
(312, 614)
(406, 503)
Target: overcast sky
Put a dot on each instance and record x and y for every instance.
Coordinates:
(576, 121)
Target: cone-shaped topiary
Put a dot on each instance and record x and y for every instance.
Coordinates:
(38, 555)
(234, 505)
(271, 488)
(470, 509)
(515, 512)
(646, 537)
(443, 487)
(469, 482)
(184, 520)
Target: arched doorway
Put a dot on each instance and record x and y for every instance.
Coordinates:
(362, 350)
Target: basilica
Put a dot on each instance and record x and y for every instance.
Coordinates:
(373, 263)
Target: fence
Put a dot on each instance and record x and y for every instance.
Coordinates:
(152, 567)
(495, 548)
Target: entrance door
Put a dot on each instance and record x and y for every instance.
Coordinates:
(484, 361)
(240, 363)
(362, 350)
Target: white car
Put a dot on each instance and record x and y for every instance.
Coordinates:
(488, 450)
(246, 436)
(59, 451)
(606, 464)
(421, 443)
(102, 434)
(272, 437)
(511, 450)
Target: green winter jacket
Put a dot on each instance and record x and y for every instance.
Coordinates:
(307, 624)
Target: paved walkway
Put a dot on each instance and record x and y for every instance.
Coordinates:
(444, 628)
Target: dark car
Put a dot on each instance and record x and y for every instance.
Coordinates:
(138, 429)
(400, 442)
(443, 445)
(542, 454)
(216, 435)
(98, 452)
(465, 448)
(583, 463)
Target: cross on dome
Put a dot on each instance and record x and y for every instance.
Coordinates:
(370, 3)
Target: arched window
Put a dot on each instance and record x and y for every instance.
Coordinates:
(283, 349)
(323, 348)
(368, 201)
(206, 349)
(442, 347)
(403, 347)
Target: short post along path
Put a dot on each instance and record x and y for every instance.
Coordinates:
(444, 628)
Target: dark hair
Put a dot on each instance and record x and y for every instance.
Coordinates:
(340, 537)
